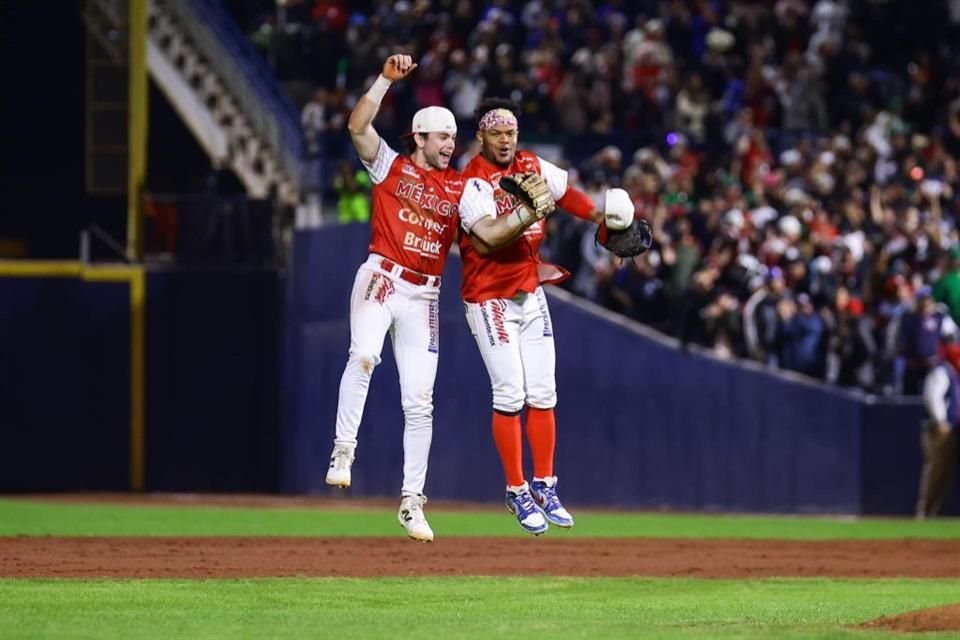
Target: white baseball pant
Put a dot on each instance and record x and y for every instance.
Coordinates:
(515, 337)
(381, 301)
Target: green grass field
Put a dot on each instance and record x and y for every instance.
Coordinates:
(473, 607)
(47, 518)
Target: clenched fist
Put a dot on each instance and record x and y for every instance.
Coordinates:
(398, 66)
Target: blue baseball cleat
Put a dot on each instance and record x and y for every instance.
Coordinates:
(520, 503)
(544, 492)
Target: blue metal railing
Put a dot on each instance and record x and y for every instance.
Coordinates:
(247, 76)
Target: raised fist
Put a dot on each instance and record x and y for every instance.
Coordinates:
(398, 66)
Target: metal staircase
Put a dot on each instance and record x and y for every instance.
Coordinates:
(226, 96)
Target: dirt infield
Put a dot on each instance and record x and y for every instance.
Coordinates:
(247, 557)
(243, 557)
(938, 619)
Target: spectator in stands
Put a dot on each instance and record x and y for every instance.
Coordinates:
(722, 326)
(682, 255)
(592, 279)
(896, 299)
(693, 308)
(640, 292)
(464, 86)
(947, 288)
(761, 319)
(319, 120)
(693, 106)
(315, 120)
(801, 335)
(849, 343)
(801, 98)
(353, 193)
(919, 335)
(789, 134)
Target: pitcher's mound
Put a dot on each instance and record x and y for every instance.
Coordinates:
(937, 619)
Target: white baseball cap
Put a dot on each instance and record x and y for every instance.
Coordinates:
(433, 119)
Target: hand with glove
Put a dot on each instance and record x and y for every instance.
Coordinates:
(619, 232)
(532, 191)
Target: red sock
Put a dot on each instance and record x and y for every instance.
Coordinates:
(506, 435)
(542, 434)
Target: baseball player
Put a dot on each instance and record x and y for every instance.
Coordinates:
(507, 310)
(941, 451)
(414, 222)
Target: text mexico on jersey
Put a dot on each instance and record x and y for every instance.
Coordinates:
(414, 211)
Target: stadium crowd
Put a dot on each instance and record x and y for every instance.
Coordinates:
(797, 159)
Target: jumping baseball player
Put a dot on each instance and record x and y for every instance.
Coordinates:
(414, 222)
(507, 310)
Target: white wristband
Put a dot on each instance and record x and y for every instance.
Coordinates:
(378, 89)
(525, 217)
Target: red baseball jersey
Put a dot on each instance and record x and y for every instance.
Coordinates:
(415, 211)
(516, 267)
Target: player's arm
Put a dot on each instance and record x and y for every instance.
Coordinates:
(491, 234)
(478, 217)
(568, 198)
(365, 138)
(615, 215)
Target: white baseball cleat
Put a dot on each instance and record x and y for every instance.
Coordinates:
(341, 460)
(521, 504)
(412, 519)
(544, 492)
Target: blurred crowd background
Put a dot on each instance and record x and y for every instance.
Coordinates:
(797, 159)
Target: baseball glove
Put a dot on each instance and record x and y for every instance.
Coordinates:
(629, 242)
(532, 191)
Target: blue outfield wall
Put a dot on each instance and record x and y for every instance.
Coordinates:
(212, 370)
(213, 353)
(64, 384)
(640, 422)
